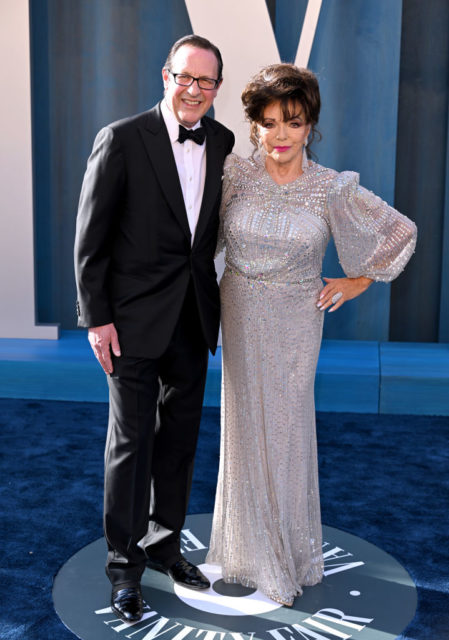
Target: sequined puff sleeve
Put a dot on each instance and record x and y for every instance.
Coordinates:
(229, 175)
(372, 238)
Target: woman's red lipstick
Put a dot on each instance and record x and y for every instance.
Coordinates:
(282, 148)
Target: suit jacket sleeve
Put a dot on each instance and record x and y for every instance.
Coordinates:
(100, 202)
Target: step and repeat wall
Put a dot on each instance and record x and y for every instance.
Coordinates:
(382, 65)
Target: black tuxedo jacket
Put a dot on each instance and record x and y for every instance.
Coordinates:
(133, 253)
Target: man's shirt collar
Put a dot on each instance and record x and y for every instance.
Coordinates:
(171, 122)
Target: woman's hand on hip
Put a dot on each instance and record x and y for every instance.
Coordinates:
(338, 290)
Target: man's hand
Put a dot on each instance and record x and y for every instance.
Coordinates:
(102, 340)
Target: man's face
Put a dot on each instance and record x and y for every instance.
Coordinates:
(189, 104)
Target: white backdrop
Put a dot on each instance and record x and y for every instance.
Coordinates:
(17, 292)
(244, 34)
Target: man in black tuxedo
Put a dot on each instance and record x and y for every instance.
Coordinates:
(147, 289)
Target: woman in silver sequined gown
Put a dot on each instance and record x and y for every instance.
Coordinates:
(278, 213)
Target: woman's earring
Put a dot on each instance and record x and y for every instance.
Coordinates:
(260, 147)
(305, 160)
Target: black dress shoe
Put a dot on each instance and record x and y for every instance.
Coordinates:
(127, 604)
(183, 573)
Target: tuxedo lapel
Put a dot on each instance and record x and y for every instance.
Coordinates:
(213, 176)
(158, 147)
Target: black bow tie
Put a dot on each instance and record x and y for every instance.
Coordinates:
(197, 135)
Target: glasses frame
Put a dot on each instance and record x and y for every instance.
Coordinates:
(217, 82)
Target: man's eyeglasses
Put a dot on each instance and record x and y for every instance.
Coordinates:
(186, 80)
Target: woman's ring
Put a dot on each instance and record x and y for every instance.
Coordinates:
(336, 297)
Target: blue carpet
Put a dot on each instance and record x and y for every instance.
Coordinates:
(383, 478)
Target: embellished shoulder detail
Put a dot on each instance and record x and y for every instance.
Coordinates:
(319, 177)
(322, 173)
(346, 181)
(233, 160)
(241, 176)
(233, 167)
(236, 165)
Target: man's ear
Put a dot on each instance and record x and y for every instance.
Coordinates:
(165, 77)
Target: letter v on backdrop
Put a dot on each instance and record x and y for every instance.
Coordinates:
(243, 33)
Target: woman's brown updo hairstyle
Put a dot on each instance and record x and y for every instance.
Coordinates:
(286, 84)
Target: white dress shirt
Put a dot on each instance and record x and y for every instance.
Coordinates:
(190, 161)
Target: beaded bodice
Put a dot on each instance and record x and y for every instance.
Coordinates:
(279, 233)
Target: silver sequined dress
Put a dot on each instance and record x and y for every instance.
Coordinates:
(267, 527)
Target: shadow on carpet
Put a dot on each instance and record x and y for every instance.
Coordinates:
(383, 478)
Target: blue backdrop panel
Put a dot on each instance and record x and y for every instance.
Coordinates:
(46, 242)
(443, 334)
(289, 17)
(422, 172)
(94, 62)
(355, 54)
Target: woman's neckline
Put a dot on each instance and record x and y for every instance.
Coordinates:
(261, 162)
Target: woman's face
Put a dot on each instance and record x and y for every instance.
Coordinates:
(283, 140)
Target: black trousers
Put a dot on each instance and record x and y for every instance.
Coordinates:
(154, 416)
